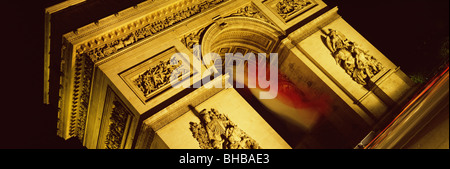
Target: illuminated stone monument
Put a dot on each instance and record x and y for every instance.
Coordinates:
(114, 89)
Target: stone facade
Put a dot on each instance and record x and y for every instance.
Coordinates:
(114, 91)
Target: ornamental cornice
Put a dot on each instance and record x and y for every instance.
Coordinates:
(103, 46)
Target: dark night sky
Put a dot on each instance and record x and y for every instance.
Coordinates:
(410, 33)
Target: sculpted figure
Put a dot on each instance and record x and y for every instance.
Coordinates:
(285, 7)
(129, 40)
(344, 57)
(336, 40)
(233, 138)
(248, 11)
(220, 132)
(355, 61)
(215, 130)
(155, 77)
(362, 61)
(191, 40)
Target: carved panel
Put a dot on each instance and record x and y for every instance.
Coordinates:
(351, 57)
(117, 126)
(152, 77)
(115, 123)
(155, 77)
(289, 9)
(216, 131)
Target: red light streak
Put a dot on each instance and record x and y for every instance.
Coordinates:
(382, 134)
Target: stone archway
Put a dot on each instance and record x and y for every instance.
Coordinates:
(247, 35)
(240, 35)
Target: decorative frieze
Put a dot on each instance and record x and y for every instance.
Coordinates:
(353, 59)
(216, 131)
(143, 29)
(117, 126)
(248, 10)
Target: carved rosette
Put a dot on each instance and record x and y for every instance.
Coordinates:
(216, 131)
(354, 60)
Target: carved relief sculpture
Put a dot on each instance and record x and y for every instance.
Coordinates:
(117, 126)
(252, 12)
(286, 8)
(156, 77)
(355, 61)
(192, 39)
(216, 131)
